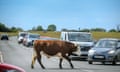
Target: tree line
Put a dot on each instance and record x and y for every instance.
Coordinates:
(52, 27)
(4, 28)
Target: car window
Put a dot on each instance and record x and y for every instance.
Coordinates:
(106, 44)
(22, 35)
(34, 36)
(118, 45)
(79, 37)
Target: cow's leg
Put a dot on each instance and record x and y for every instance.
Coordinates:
(69, 60)
(39, 60)
(34, 57)
(60, 63)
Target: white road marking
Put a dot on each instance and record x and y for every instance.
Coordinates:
(1, 57)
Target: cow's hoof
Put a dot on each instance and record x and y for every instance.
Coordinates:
(32, 67)
(72, 68)
(43, 67)
(61, 68)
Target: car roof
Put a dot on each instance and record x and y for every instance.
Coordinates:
(33, 34)
(109, 39)
(77, 32)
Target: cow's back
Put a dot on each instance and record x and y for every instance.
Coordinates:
(52, 47)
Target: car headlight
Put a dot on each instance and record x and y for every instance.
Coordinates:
(111, 52)
(29, 40)
(91, 51)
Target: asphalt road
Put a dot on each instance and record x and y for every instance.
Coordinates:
(19, 55)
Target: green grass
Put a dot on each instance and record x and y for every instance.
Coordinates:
(10, 33)
(49, 33)
(96, 35)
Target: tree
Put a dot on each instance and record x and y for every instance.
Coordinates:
(39, 28)
(33, 29)
(98, 29)
(3, 28)
(14, 29)
(64, 29)
(51, 27)
(85, 30)
(112, 30)
(19, 29)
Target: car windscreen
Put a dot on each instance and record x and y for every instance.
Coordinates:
(79, 37)
(22, 34)
(34, 36)
(106, 44)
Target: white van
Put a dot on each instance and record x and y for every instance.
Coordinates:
(84, 41)
(21, 35)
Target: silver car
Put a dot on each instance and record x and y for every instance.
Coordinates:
(29, 39)
(21, 36)
(105, 50)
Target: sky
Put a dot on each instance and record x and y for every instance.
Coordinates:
(68, 14)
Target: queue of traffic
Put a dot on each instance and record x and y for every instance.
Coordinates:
(104, 50)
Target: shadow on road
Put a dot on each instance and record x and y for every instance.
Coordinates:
(78, 59)
(107, 64)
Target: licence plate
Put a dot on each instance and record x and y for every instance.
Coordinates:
(98, 56)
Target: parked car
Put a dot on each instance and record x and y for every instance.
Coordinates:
(105, 50)
(29, 39)
(21, 35)
(84, 40)
(4, 37)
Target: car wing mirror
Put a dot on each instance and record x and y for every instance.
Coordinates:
(118, 48)
(95, 41)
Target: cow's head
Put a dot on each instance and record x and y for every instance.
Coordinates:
(74, 48)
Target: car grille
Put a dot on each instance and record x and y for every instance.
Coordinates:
(97, 58)
(85, 48)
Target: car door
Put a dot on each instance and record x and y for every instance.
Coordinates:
(118, 50)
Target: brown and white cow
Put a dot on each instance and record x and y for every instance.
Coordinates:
(62, 49)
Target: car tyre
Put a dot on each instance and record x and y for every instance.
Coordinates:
(114, 63)
(90, 62)
(27, 44)
(103, 62)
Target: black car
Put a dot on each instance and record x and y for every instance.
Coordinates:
(4, 37)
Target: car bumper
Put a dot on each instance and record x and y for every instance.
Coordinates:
(83, 54)
(99, 58)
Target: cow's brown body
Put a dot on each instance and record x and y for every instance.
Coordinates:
(62, 49)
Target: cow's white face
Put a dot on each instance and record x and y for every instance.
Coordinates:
(74, 47)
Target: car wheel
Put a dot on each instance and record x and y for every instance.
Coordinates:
(90, 62)
(7, 39)
(103, 62)
(27, 45)
(114, 63)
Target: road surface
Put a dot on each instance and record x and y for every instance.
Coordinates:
(19, 55)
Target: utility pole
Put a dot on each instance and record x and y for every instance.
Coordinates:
(118, 27)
